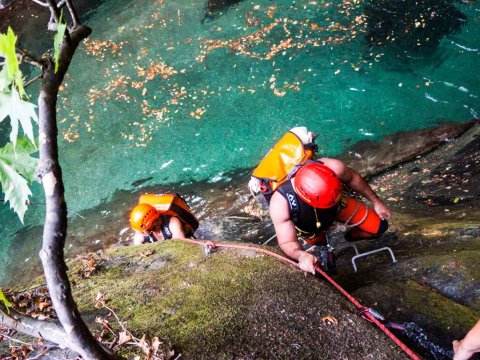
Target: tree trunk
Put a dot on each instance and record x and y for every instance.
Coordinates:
(55, 229)
(49, 330)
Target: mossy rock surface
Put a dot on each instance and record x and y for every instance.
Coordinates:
(233, 304)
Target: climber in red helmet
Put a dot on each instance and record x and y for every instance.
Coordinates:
(312, 200)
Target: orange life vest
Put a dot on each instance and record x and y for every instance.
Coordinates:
(173, 205)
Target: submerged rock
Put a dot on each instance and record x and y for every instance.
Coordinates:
(214, 8)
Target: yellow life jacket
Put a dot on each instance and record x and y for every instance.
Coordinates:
(173, 205)
(281, 163)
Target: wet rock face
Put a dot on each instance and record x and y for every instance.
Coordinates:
(436, 282)
(456, 180)
(370, 158)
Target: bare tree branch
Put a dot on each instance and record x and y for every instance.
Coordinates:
(71, 331)
(31, 81)
(48, 330)
(73, 13)
(25, 57)
(40, 3)
(12, 339)
(55, 228)
(54, 10)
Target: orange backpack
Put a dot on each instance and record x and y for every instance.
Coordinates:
(295, 148)
(173, 205)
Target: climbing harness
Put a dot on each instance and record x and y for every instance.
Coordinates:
(211, 246)
(346, 226)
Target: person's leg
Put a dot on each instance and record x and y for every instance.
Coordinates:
(367, 224)
(358, 234)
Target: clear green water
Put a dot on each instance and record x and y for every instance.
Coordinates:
(147, 98)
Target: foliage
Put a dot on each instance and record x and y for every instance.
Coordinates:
(4, 299)
(13, 106)
(57, 40)
(16, 167)
(8, 51)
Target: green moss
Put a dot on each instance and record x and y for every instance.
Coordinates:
(188, 298)
(442, 311)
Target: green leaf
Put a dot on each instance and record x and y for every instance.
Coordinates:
(16, 165)
(8, 51)
(5, 301)
(15, 188)
(19, 157)
(19, 111)
(58, 39)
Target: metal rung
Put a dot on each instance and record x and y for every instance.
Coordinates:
(366, 253)
(345, 245)
(270, 239)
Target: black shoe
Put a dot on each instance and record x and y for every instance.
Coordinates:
(327, 261)
(331, 261)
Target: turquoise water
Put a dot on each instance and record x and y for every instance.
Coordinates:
(171, 92)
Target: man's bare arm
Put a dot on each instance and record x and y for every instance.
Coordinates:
(287, 234)
(354, 181)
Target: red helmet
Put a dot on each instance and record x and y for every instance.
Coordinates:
(317, 185)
